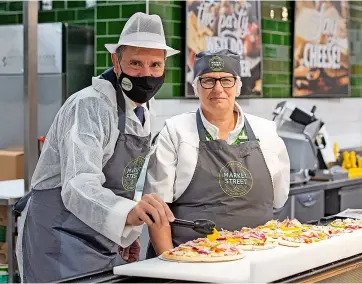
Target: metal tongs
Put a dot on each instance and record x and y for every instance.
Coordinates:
(202, 226)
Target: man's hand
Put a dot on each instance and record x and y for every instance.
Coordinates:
(131, 253)
(150, 205)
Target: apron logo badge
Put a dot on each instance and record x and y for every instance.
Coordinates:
(235, 180)
(127, 84)
(216, 64)
(131, 173)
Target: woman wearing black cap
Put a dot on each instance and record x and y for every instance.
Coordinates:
(217, 163)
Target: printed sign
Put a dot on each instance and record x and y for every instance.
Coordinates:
(234, 25)
(321, 61)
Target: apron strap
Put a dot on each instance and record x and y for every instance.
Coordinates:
(249, 132)
(200, 126)
(121, 107)
(140, 185)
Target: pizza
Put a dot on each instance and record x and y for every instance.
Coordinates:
(303, 237)
(204, 250)
(230, 245)
(346, 224)
(248, 239)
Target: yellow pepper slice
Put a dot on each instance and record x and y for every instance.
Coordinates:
(213, 237)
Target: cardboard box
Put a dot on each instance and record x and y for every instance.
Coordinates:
(11, 165)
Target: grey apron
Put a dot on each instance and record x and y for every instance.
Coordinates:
(56, 244)
(231, 185)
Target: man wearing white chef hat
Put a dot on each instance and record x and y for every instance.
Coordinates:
(80, 209)
(217, 163)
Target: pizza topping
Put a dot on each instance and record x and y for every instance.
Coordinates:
(213, 237)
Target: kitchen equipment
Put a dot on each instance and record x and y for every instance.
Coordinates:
(202, 226)
(304, 136)
(65, 66)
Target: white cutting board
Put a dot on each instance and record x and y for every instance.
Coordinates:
(226, 272)
(281, 262)
(257, 266)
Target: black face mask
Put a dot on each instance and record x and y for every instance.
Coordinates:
(140, 89)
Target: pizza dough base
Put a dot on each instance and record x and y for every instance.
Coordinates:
(182, 258)
(290, 244)
(252, 247)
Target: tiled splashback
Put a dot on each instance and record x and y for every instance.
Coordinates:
(109, 17)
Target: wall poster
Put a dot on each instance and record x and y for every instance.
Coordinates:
(215, 24)
(321, 49)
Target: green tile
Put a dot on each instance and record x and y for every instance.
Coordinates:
(3, 6)
(283, 79)
(168, 28)
(76, 4)
(356, 14)
(178, 90)
(268, 79)
(174, 61)
(101, 60)
(85, 14)
(283, 26)
(178, 28)
(109, 60)
(15, 5)
(266, 38)
(130, 9)
(115, 28)
(270, 51)
(268, 65)
(8, 19)
(108, 12)
(356, 93)
(101, 41)
(46, 16)
(101, 28)
(99, 71)
(267, 92)
(354, 81)
(286, 66)
(269, 25)
(165, 91)
(20, 18)
(59, 4)
(174, 42)
(177, 14)
(177, 75)
(276, 39)
(66, 15)
(287, 40)
(168, 76)
(355, 25)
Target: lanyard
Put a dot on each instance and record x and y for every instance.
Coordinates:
(241, 137)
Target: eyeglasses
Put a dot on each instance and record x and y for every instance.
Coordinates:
(226, 82)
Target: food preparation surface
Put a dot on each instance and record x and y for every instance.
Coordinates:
(257, 266)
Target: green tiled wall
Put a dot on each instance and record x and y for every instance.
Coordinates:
(277, 48)
(71, 11)
(110, 16)
(110, 19)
